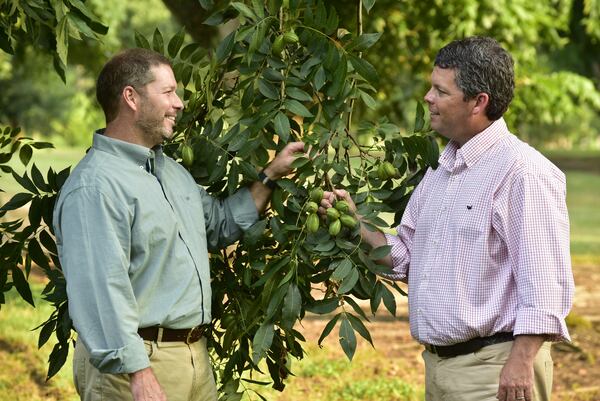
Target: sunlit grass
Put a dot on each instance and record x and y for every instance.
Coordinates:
(583, 195)
(24, 367)
(327, 375)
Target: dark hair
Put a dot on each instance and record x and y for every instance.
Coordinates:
(481, 65)
(130, 67)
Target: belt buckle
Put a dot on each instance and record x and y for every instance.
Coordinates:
(194, 334)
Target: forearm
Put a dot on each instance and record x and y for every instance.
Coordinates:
(526, 347)
(261, 194)
(516, 380)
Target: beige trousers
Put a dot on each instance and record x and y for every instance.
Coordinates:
(183, 371)
(475, 376)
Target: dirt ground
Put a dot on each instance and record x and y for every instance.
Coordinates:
(576, 365)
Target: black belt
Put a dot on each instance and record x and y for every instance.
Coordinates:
(187, 336)
(472, 345)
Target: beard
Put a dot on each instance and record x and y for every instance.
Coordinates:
(151, 123)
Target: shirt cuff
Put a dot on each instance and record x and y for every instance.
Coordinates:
(243, 208)
(531, 321)
(128, 359)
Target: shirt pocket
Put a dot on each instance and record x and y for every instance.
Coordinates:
(472, 221)
(189, 211)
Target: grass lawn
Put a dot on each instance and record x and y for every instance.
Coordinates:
(327, 375)
(583, 193)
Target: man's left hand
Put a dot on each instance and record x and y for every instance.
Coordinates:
(516, 380)
(281, 165)
(517, 377)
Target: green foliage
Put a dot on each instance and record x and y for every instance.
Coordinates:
(47, 24)
(34, 96)
(553, 103)
(550, 80)
(28, 241)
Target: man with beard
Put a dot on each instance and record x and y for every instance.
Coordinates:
(133, 232)
(483, 242)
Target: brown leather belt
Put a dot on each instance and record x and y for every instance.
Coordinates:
(472, 345)
(187, 336)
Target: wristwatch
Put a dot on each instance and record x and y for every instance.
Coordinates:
(262, 177)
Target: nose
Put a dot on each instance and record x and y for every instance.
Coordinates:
(429, 96)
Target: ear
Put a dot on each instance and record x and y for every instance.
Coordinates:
(131, 98)
(481, 102)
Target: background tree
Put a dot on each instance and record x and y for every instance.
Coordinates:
(555, 44)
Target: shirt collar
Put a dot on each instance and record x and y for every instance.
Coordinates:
(453, 156)
(137, 154)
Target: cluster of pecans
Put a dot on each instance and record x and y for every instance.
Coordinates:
(337, 216)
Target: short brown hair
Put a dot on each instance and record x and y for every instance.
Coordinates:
(481, 65)
(130, 67)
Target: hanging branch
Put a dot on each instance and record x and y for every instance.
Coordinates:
(359, 31)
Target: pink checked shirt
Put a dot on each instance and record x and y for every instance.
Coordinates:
(484, 242)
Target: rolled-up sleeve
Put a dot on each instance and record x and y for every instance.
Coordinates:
(227, 219)
(537, 234)
(93, 238)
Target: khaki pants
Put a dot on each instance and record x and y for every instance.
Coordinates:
(183, 371)
(475, 376)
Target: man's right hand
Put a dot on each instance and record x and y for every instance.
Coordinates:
(145, 386)
(374, 238)
(329, 199)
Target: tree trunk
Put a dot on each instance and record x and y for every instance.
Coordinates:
(191, 15)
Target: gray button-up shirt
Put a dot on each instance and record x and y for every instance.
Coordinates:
(134, 247)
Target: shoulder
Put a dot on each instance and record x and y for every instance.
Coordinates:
(98, 172)
(524, 160)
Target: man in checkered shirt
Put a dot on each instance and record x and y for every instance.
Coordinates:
(483, 242)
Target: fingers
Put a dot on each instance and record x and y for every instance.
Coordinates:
(328, 200)
(294, 147)
(514, 394)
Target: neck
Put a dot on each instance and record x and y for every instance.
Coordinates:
(473, 131)
(127, 132)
